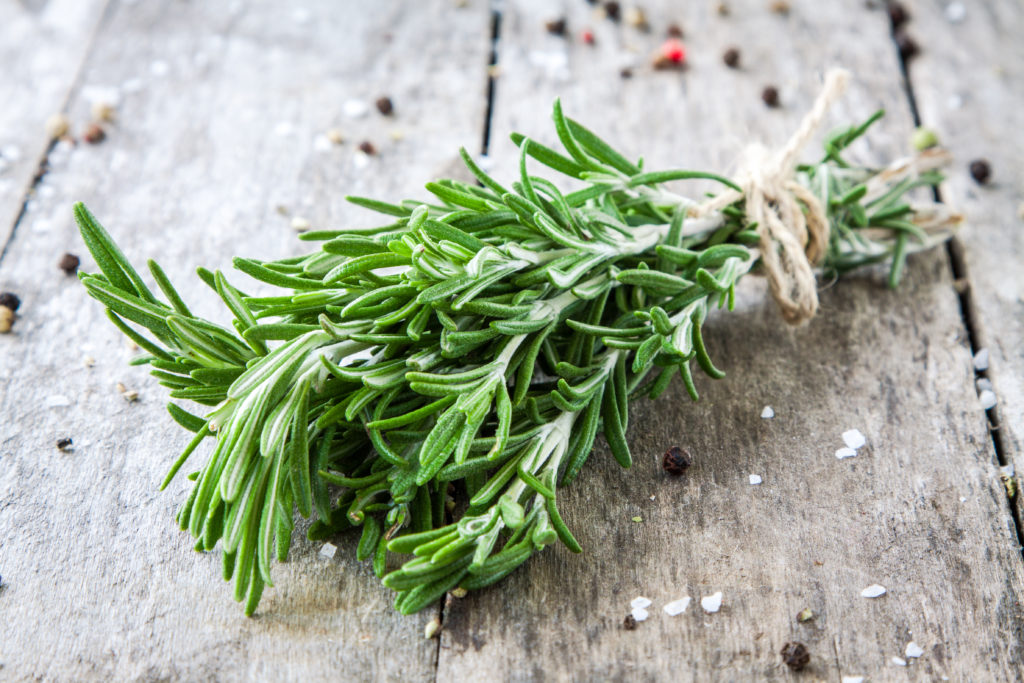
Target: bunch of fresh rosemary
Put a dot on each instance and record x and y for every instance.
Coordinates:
(482, 340)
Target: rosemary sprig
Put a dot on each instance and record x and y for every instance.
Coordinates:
(484, 338)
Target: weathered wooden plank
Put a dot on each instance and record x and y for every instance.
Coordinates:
(223, 106)
(42, 46)
(920, 510)
(968, 83)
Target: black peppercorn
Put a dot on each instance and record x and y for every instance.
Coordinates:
(770, 96)
(980, 171)
(366, 147)
(626, 73)
(676, 460)
(795, 656)
(556, 27)
(629, 623)
(731, 58)
(898, 14)
(64, 443)
(10, 300)
(907, 46)
(94, 134)
(613, 10)
(385, 106)
(68, 263)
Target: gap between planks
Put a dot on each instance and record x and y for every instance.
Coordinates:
(968, 307)
(41, 168)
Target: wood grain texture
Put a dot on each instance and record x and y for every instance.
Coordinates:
(42, 47)
(919, 510)
(969, 86)
(222, 107)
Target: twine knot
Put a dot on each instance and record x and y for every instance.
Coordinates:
(791, 222)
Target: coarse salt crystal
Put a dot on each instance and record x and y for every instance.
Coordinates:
(914, 650)
(355, 109)
(845, 452)
(962, 499)
(899, 661)
(300, 224)
(712, 603)
(58, 401)
(853, 438)
(1006, 470)
(640, 602)
(640, 614)
(677, 607)
(983, 384)
(853, 679)
(988, 399)
(767, 413)
(981, 360)
(873, 591)
(328, 549)
(955, 12)
(755, 479)
(360, 160)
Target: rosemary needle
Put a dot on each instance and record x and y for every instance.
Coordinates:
(486, 338)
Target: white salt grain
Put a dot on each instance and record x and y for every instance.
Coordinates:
(640, 602)
(853, 679)
(58, 401)
(328, 549)
(988, 399)
(159, 68)
(677, 607)
(983, 384)
(712, 603)
(898, 661)
(321, 143)
(355, 109)
(955, 12)
(981, 360)
(853, 438)
(767, 413)
(360, 160)
(914, 650)
(640, 614)
(300, 224)
(845, 452)
(284, 129)
(755, 479)
(873, 591)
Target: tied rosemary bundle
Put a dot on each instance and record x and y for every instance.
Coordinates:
(473, 346)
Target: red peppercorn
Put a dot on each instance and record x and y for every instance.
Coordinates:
(588, 37)
(673, 50)
(676, 460)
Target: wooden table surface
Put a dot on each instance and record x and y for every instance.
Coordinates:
(222, 110)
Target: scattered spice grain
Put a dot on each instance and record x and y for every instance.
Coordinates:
(779, 7)
(64, 443)
(613, 10)
(674, 31)
(385, 106)
(795, 656)
(366, 147)
(731, 58)
(556, 27)
(898, 14)
(770, 96)
(94, 134)
(10, 300)
(629, 623)
(676, 460)
(6, 319)
(805, 615)
(57, 126)
(907, 46)
(69, 264)
(981, 171)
